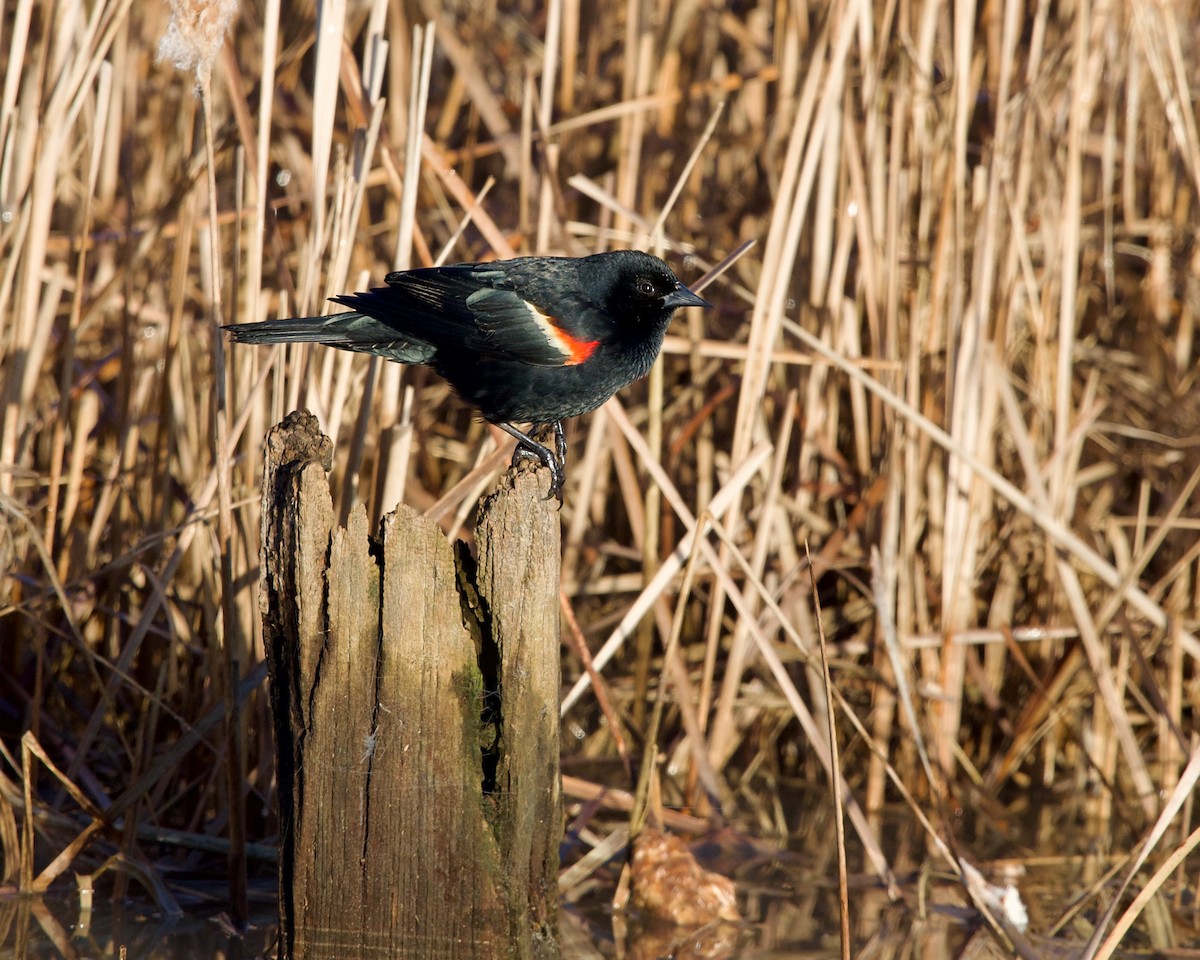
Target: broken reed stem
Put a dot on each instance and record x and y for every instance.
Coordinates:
(835, 767)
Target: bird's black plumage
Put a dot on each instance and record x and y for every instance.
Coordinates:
(530, 340)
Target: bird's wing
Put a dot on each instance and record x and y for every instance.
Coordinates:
(518, 327)
(474, 308)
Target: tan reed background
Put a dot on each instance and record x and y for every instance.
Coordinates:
(959, 362)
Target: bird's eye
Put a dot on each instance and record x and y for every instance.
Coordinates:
(646, 288)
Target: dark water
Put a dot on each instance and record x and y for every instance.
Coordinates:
(780, 924)
(58, 927)
(787, 897)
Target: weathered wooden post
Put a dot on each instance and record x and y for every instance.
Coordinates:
(415, 693)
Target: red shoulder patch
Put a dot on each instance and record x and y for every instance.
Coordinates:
(576, 350)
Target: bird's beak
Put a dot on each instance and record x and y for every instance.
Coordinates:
(681, 296)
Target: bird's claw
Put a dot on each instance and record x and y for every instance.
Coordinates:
(554, 460)
(548, 460)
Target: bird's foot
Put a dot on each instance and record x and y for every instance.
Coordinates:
(554, 460)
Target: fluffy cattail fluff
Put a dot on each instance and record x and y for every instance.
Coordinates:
(195, 34)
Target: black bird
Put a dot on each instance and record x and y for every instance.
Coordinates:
(531, 340)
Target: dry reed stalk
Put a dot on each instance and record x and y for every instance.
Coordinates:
(195, 34)
(836, 764)
(808, 723)
(1102, 949)
(1052, 526)
(716, 507)
(778, 256)
(103, 102)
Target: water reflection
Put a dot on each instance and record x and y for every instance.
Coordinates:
(37, 927)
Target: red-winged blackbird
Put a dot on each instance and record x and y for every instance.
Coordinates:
(532, 340)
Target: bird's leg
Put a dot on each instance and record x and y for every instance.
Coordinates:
(528, 447)
(560, 445)
(543, 432)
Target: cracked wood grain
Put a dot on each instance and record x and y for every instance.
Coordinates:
(399, 837)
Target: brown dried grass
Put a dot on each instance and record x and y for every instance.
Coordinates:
(960, 364)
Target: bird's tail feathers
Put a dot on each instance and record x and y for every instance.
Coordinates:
(346, 331)
(292, 330)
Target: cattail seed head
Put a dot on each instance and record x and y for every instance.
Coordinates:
(195, 34)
